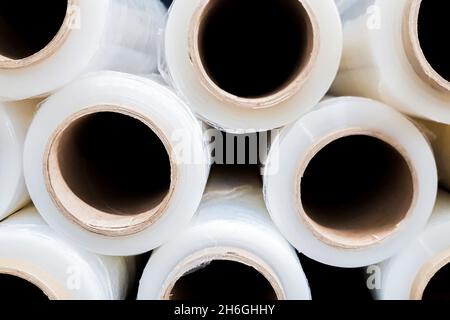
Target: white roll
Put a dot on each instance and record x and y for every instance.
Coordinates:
(32, 251)
(410, 274)
(116, 163)
(15, 118)
(232, 227)
(45, 45)
(271, 65)
(351, 183)
(439, 135)
(392, 53)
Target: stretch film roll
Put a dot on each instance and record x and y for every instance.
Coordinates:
(46, 44)
(271, 65)
(31, 251)
(421, 270)
(394, 52)
(116, 163)
(350, 183)
(231, 250)
(15, 118)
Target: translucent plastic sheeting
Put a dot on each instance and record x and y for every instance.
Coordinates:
(439, 135)
(420, 271)
(43, 46)
(273, 64)
(231, 232)
(116, 162)
(350, 183)
(31, 251)
(14, 121)
(394, 52)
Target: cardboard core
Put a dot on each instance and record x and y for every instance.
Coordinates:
(222, 274)
(110, 171)
(355, 190)
(20, 289)
(433, 279)
(260, 59)
(426, 22)
(32, 31)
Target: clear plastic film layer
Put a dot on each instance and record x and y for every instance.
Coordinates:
(350, 183)
(31, 251)
(15, 118)
(116, 162)
(231, 228)
(77, 36)
(394, 52)
(272, 65)
(419, 270)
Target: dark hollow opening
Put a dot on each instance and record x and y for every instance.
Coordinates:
(254, 48)
(357, 185)
(433, 30)
(15, 288)
(28, 27)
(439, 286)
(223, 280)
(115, 163)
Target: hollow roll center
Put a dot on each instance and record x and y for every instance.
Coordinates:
(433, 26)
(355, 191)
(221, 280)
(438, 288)
(254, 49)
(110, 171)
(28, 27)
(19, 289)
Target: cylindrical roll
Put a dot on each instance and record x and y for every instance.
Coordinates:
(231, 251)
(46, 44)
(393, 53)
(439, 134)
(30, 251)
(350, 183)
(421, 270)
(271, 65)
(116, 162)
(15, 118)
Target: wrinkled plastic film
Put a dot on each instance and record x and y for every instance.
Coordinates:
(231, 224)
(383, 58)
(231, 112)
(117, 35)
(407, 275)
(31, 250)
(15, 118)
(308, 159)
(141, 220)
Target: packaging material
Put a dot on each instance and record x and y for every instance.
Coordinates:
(351, 183)
(32, 251)
(392, 53)
(232, 225)
(272, 65)
(116, 163)
(15, 118)
(415, 272)
(45, 45)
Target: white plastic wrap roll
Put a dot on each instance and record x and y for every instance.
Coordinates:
(273, 64)
(30, 250)
(439, 135)
(15, 119)
(232, 225)
(393, 53)
(408, 275)
(45, 45)
(116, 163)
(350, 183)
